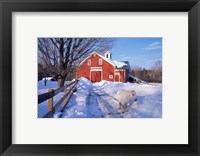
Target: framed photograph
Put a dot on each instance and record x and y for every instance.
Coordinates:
(99, 77)
(98, 83)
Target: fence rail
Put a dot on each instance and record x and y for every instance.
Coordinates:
(51, 93)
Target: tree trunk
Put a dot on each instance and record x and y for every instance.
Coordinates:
(61, 83)
(45, 81)
(61, 79)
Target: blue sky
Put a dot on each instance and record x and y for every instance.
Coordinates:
(143, 52)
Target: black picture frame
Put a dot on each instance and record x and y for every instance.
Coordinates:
(9, 6)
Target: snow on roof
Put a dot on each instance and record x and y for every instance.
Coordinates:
(133, 77)
(116, 64)
(119, 64)
(108, 60)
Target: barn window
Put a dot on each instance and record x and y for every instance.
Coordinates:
(94, 55)
(100, 61)
(89, 62)
(110, 76)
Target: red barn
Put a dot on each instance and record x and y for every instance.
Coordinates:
(97, 67)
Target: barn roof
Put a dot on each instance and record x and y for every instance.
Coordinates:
(116, 64)
(119, 64)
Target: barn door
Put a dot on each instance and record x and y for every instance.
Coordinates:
(95, 76)
(117, 78)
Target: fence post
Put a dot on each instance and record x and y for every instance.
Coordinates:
(65, 100)
(50, 104)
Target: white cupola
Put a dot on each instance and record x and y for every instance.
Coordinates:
(108, 55)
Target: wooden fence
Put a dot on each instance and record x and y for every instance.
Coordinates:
(68, 91)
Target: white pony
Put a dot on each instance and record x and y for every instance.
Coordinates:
(125, 98)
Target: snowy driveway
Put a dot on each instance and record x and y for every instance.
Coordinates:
(100, 104)
(98, 100)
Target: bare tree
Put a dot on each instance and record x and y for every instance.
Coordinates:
(136, 70)
(62, 55)
(157, 71)
(150, 75)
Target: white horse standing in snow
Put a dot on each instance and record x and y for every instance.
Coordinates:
(125, 98)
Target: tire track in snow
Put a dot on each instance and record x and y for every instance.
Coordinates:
(100, 105)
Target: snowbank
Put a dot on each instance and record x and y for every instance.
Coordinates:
(47, 78)
(98, 100)
(43, 107)
(77, 106)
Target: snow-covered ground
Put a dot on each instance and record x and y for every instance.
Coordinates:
(99, 100)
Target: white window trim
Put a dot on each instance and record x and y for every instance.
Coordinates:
(89, 63)
(96, 68)
(110, 76)
(100, 60)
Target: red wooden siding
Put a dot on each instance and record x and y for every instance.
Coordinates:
(121, 75)
(117, 77)
(96, 72)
